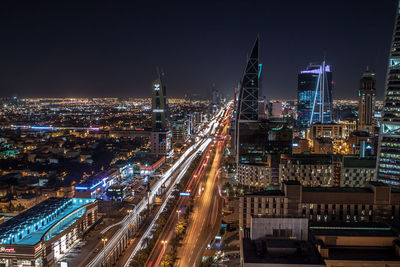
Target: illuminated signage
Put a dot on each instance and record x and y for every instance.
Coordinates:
(184, 194)
(38, 247)
(81, 188)
(394, 63)
(3, 249)
(158, 110)
(157, 87)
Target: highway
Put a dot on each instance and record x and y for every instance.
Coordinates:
(185, 166)
(180, 166)
(210, 202)
(206, 216)
(168, 232)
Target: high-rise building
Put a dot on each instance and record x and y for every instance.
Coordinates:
(366, 102)
(389, 138)
(314, 95)
(247, 103)
(160, 135)
(159, 105)
(215, 98)
(249, 87)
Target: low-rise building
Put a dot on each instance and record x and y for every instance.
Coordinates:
(43, 234)
(374, 203)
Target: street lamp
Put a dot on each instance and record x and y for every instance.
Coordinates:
(104, 250)
(179, 213)
(164, 242)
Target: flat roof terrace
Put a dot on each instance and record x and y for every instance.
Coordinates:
(29, 227)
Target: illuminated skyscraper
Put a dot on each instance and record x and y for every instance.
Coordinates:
(389, 139)
(160, 134)
(159, 105)
(314, 95)
(249, 87)
(366, 102)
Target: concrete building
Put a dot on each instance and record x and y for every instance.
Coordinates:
(161, 142)
(309, 170)
(357, 172)
(374, 203)
(353, 245)
(278, 242)
(255, 175)
(327, 170)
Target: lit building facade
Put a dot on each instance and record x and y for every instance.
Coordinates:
(389, 139)
(159, 105)
(160, 136)
(366, 102)
(314, 95)
(261, 146)
(376, 202)
(43, 234)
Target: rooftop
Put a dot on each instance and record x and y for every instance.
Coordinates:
(352, 229)
(283, 251)
(29, 227)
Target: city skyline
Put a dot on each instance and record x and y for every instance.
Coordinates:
(82, 51)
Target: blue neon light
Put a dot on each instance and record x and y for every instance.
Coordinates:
(81, 187)
(96, 185)
(42, 127)
(183, 194)
(259, 72)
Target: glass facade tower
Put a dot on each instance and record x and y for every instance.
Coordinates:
(389, 139)
(159, 105)
(314, 95)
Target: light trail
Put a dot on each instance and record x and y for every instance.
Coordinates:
(180, 164)
(168, 195)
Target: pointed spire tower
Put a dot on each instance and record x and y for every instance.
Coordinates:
(388, 170)
(247, 104)
(249, 87)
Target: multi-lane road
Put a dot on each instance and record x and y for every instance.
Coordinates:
(171, 177)
(205, 221)
(206, 217)
(179, 169)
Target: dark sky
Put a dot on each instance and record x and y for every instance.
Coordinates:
(79, 48)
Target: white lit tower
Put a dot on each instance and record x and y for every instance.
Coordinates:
(321, 111)
(160, 134)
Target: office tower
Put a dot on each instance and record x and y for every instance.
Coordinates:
(366, 102)
(314, 95)
(247, 103)
(159, 105)
(389, 138)
(249, 87)
(160, 134)
(215, 98)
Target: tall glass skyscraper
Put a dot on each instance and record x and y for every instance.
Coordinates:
(389, 138)
(159, 105)
(250, 87)
(314, 95)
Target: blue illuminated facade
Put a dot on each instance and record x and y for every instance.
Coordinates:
(314, 95)
(43, 221)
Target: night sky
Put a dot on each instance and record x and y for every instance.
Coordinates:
(79, 48)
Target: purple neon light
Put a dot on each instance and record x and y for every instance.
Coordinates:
(316, 71)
